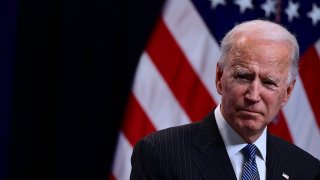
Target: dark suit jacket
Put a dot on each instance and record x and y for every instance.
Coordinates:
(196, 151)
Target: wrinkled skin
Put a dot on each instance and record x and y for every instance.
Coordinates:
(254, 85)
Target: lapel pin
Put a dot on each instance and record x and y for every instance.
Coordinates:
(285, 175)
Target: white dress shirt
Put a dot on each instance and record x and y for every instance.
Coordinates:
(234, 144)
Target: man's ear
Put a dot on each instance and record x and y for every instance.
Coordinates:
(219, 73)
(288, 93)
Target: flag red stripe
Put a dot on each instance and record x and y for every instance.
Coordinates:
(310, 73)
(111, 177)
(136, 123)
(178, 73)
(280, 128)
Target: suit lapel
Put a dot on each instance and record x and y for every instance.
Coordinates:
(210, 154)
(276, 160)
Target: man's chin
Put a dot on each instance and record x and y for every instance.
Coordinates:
(250, 124)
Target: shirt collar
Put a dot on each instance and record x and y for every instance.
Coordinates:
(233, 142)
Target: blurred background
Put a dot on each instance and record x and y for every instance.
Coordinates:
(67, 72)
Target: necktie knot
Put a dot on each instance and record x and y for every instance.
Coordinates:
(249, 152)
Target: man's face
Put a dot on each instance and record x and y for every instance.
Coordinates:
(253, 85)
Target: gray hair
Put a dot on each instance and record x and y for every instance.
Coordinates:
(267, 30)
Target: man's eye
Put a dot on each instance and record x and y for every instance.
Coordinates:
(242, 77)
(269, 83)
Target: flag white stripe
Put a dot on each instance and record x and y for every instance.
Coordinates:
(155, 97)
(301, 121)
(195, 40)
(122, 167)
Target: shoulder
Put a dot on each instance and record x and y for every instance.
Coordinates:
(182, 134)
(173, 135)
(294, 153)
(159, 152)
(168, 141)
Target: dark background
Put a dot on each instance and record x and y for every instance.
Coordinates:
(73, 63)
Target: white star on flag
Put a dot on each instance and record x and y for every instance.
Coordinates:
(314, 14)
(243, 5)
(269, 7)
(215, 3)
(292, 10)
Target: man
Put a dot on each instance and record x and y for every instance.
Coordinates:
(255, 78)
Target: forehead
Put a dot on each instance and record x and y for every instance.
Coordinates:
(248, 52)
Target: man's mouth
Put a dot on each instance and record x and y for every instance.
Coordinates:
(248, 111)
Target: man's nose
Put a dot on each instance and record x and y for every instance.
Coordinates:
(253, 92)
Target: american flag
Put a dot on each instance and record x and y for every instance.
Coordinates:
(174, 80)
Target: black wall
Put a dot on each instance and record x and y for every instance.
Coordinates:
(74, 68)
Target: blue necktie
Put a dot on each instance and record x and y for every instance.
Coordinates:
(250, 169)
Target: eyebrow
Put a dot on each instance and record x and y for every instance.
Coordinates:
(238, 69)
